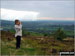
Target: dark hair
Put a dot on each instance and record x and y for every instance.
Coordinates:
(16, 21)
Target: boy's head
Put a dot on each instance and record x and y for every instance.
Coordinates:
(17, 22)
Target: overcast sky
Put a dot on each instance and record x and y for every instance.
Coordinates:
(44, 10)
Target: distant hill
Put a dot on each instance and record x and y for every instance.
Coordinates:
(42, 22)
(41, 26)
(37, 23)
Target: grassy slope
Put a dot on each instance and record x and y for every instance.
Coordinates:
(34, 45)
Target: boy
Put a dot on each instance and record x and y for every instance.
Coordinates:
(18, 34)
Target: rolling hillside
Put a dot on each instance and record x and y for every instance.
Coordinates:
(34, 45)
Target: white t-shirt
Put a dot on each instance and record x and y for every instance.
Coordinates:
(18, 29)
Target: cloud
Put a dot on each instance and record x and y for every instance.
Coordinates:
(7, 14)
(52, 18)
(46, 8)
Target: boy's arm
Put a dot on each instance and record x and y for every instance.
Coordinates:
(18, 26)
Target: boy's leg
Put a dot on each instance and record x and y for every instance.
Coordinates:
(17, 42)
(18, 39)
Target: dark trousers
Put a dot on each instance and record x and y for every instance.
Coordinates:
(18, 40)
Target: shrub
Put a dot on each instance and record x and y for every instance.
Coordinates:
(60, 34)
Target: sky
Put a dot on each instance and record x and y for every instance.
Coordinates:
(37, 10)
